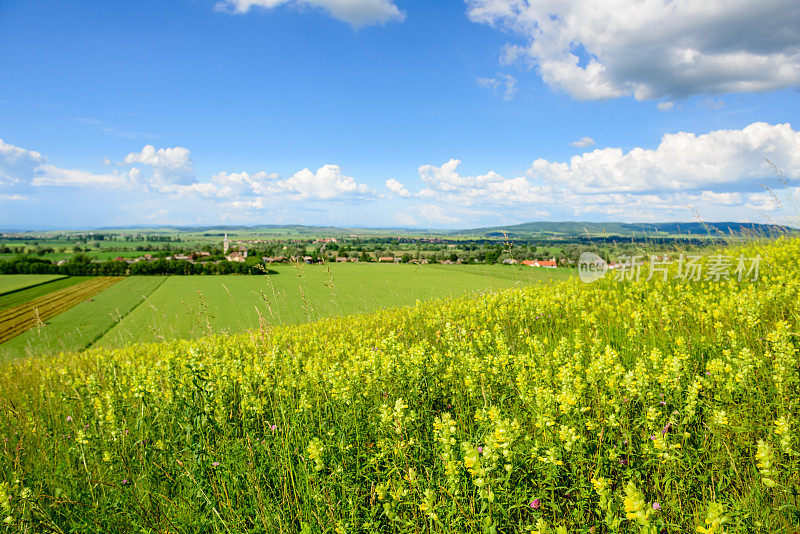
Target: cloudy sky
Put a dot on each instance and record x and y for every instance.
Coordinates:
(409, 113)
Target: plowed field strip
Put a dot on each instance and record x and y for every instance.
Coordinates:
(14, 321)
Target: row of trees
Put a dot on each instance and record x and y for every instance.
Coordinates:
(81, 265)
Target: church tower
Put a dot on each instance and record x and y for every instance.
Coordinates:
(225, 244)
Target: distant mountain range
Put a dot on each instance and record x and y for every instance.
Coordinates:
(594, 229)
(539, 229)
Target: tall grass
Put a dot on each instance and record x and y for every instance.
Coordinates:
(612, 407)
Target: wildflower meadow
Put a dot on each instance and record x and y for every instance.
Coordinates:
(626, 406)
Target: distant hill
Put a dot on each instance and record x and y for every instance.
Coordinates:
(530, 230)
(576, 228)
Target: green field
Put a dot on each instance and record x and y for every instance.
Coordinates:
(15, 282)
(191, 306)
(30, 293)
(78, 327)
(621, 406)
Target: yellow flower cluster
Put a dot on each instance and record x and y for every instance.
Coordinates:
(505, 412)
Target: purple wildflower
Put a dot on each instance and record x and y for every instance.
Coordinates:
(69, 418)
(656, 506)
(125, 481)
(536, 504)
(273, 427)
(480, 449)
(215, 464)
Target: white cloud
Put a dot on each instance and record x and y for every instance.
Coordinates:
(255, 203)
(720, 172)
(682, 161)
(17, 164)
(13, 197)
(357, 13)
(327, 183)
(665, 106)
(169, 165)
(503, 85)
(51, 175)
(445, 183)
(397, 188)
(651, 49)
(405, 219)
(435, 214)
(583, 142)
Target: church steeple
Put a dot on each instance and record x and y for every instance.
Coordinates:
(225, 244)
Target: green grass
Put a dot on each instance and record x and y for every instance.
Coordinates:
(15, 282)
(19, 297)
(625, 407)
(190, 306)
(80, 326)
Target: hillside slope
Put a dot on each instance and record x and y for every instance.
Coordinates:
(623, 406)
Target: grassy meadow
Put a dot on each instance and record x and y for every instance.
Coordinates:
(622, 407)
(193, 306)
(78, 327)
(158, 308)
(15, 282)
(9, 300)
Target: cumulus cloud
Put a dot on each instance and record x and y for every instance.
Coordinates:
(168, 158)
(19, 166)
(327, 183)
(682, 161)
(397, 188)
(445, 183)
(651, 49)
(169, 165)
(721, 170)
(583, 142)
(357, 13)
(255, 203)
(405, 219)
(169, 171)
(503, 85)
(435, 214)
(52, 175)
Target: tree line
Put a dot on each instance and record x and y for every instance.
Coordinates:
(81, 265)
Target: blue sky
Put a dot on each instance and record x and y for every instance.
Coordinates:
(394, 112)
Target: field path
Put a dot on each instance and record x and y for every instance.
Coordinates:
(18, 319)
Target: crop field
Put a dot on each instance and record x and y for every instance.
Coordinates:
(618, 406)
(30, 293)
(15, 282)
(79, 326)
(192, 306)
(18, 319)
